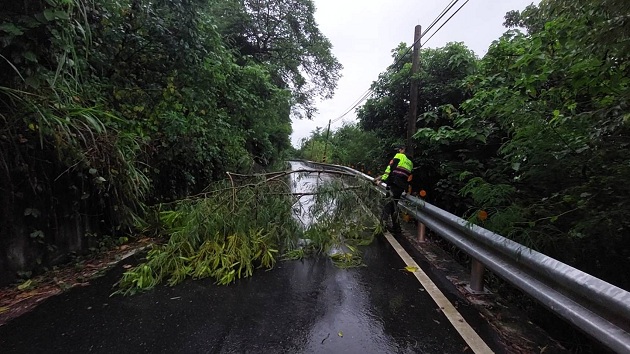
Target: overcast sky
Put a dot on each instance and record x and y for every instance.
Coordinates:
(363, 33)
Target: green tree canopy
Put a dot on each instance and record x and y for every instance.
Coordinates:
(440, 79)
(554, 102)
(284, 36)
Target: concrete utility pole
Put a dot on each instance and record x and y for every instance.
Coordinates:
(326, 143)
(413, 98)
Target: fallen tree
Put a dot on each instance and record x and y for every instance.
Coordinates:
(248, 221)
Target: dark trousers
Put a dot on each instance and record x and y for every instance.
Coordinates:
(390, 209)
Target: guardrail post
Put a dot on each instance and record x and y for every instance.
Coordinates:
(422, 232)
(476, 275)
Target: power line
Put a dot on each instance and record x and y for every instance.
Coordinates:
(446, 9)
(425, 42)
(433, 23)
(358, 102)
(437, 19)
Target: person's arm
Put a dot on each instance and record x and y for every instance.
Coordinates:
(394, 164)
(385, 176)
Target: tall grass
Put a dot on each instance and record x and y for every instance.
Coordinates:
(55, 130)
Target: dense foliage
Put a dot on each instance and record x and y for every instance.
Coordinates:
(535, 134)
(560, 94)
(284, 36)
(349, 145)
(253, 221)
(108, 105)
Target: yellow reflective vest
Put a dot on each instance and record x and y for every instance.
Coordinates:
(402, 169)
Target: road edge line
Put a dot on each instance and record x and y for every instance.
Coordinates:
(472, 338)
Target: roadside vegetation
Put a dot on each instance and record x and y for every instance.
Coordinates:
(122, 117)
(108, 108)
(530, 141)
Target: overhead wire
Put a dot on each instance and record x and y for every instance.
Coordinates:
(439, 17)
(445, 22)
(431, 25)
(446, 9)
(363, 97)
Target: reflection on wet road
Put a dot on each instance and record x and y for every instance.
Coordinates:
(299, 307)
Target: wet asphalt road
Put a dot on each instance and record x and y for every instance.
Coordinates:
(305, 306)
(298, 307)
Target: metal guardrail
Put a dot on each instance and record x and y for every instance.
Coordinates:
(598, 308)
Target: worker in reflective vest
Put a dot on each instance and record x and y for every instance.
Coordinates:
(396, 177)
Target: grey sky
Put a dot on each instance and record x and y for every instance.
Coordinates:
(363, 33)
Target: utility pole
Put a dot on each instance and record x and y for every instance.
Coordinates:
(326, 142)
(413, 99)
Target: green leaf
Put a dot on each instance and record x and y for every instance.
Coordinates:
(33, 82)
(49, 14)
(37, 234)
(30, 56)
(25, 285)
(11, 28)
(61, 15)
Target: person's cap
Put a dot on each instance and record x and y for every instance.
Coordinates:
(399, 147)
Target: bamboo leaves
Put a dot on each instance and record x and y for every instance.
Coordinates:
(247, 223)
(216, 236)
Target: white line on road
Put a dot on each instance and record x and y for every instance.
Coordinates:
(470, 336)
